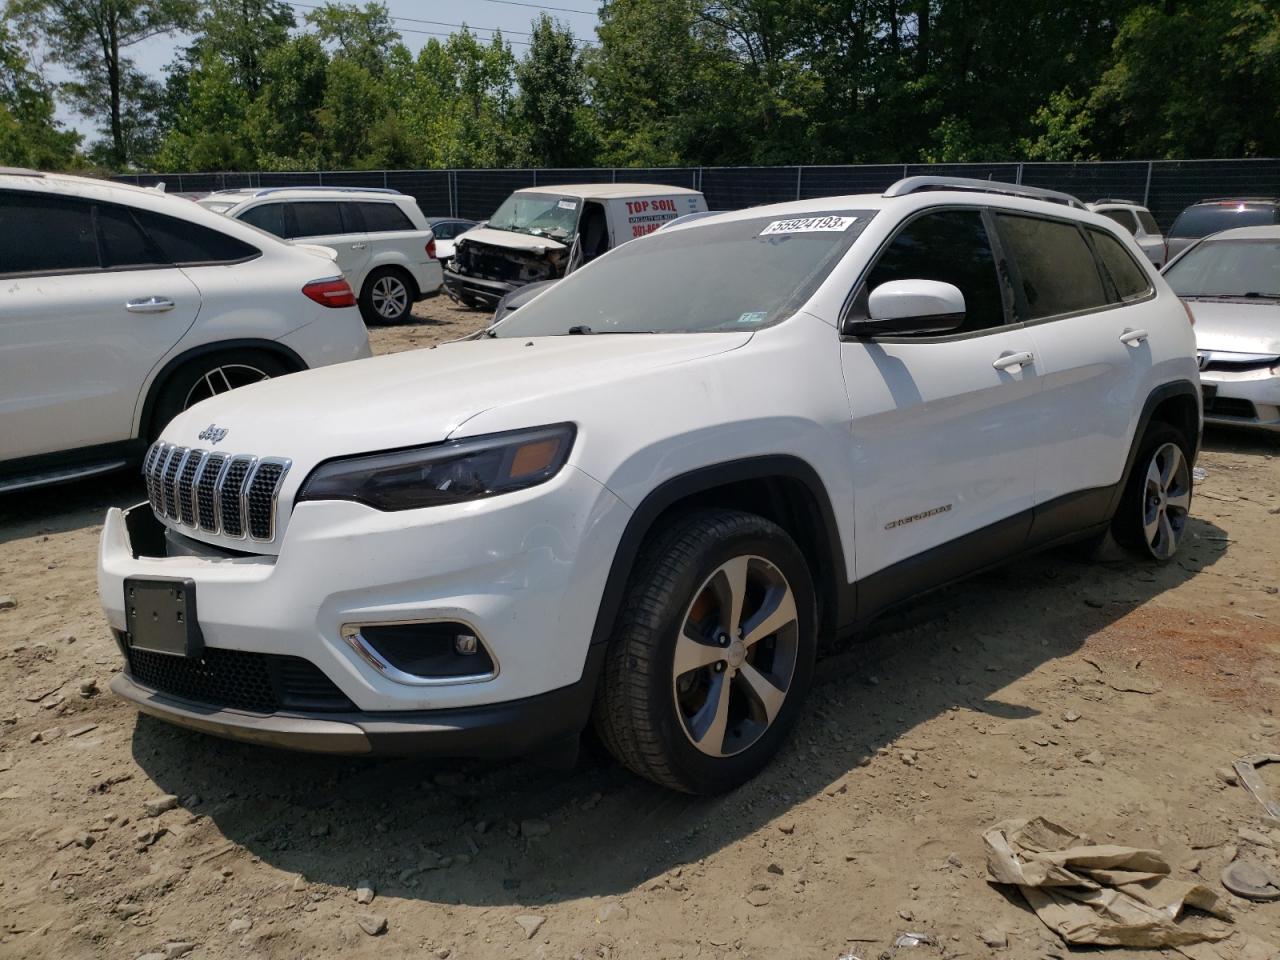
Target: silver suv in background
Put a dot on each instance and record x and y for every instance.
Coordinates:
(1138, 220)
(384, 245)
(1224, 213)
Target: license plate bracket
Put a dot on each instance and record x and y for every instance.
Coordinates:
(160, 615)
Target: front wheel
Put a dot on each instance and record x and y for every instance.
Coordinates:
(713, 653)
(1156, 504)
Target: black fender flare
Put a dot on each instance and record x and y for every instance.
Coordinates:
(685, 485)
(1166, 391)
(286, 354)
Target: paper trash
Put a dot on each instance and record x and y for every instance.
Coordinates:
(1098, 894)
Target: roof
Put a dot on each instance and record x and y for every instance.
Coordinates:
(1108, 202)
(241, 194)
(611, 191)
(1263, 232)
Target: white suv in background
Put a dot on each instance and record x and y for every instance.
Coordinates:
(121, 307)
(1138, 220)
(642, 497)
(384, 245)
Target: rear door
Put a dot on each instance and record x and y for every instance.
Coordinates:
(91, 305)
(1089, 305)
(327, 223)
(945, 427)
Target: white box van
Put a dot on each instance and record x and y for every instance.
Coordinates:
(542, 233)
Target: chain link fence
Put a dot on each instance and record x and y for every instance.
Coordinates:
(1164, 186)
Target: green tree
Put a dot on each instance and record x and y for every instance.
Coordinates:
(243, 33)
(29, 134)
(89, 38)
(550, 110)
(210, 130)
(364, 35)
(282, 120)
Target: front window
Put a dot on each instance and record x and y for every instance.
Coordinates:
(539, 215)
(741, 275)
(1228, 269)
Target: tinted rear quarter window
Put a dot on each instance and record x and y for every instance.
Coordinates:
(45, 234)
(1130, 280)
(950, 246)
(123, 243)
(1148, 222)
(1122, 217)
(268, 217)
(1055, 267)
(1204, 219)
(189, 244)
(383, 217)
(316, 218)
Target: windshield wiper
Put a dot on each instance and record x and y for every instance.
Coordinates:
(1251, 295)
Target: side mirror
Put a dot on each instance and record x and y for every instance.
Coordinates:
(909, 306)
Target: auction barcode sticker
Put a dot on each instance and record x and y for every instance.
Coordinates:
(808, 225)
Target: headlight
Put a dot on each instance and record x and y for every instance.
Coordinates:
(444, 472)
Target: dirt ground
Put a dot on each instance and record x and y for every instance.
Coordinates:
(995, 699)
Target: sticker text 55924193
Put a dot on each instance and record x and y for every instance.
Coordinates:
(809, 225)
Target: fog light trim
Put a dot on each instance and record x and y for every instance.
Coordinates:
(351, 633)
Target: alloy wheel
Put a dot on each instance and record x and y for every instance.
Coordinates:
(390, 297)
(1166, 501)
(222, 379)
(735, 656)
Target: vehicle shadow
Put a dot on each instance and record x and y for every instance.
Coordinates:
(67, 506)
(1219, 438)
(336, 821)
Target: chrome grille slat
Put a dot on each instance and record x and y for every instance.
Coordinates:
(232, 495)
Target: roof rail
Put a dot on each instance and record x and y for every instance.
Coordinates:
(1239, 200)
(267, 190)
(20, 172)
(920, 184)
(1128, 203)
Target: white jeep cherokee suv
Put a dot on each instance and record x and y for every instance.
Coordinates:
(384, 244)
(644, 496)
(121, 307)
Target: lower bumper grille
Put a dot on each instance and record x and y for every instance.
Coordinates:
(1230, 407)
(260, 682)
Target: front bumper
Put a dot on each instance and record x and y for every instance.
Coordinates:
(526, 570)
(1249, 398)
(517, 728)
(487, 293)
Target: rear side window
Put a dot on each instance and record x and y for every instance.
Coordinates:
(1130, 280)
(316, 218)
(268, 217)
(1055, 267)
(123, 242)
(1148, 222)
(183, 243)
(1122, 217)
(44, 234)
(383, 217)
(1206, 218)
(950, 246)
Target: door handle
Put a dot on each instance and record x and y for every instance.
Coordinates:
(1131, 338)
(1007, 360)
(358, 246)
(150, 305)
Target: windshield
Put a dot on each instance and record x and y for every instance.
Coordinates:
(1228, 268)
(1206, 218)
(741, 275)
(538, 214)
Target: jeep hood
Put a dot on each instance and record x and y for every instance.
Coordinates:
(1237, 326)
(510, 239)
(423, 396)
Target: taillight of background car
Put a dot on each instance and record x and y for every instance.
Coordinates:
(331, 292)
(431, 248)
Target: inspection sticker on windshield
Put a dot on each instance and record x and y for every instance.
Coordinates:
(808, 225)
(568, 204)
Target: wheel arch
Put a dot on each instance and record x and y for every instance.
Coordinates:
(147, 410)
(1176, 403)
(782, 488)
(392, 265)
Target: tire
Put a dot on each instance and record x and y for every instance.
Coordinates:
(208, 375)
(1154, 510)
(666, 726)
(387, 296)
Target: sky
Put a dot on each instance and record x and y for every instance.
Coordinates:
(482, 16)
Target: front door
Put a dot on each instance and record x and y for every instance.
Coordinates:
(943, 443)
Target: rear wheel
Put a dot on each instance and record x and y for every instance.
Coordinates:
(713, 653)
(387, 296)
(1156, 505)
(208, 376)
